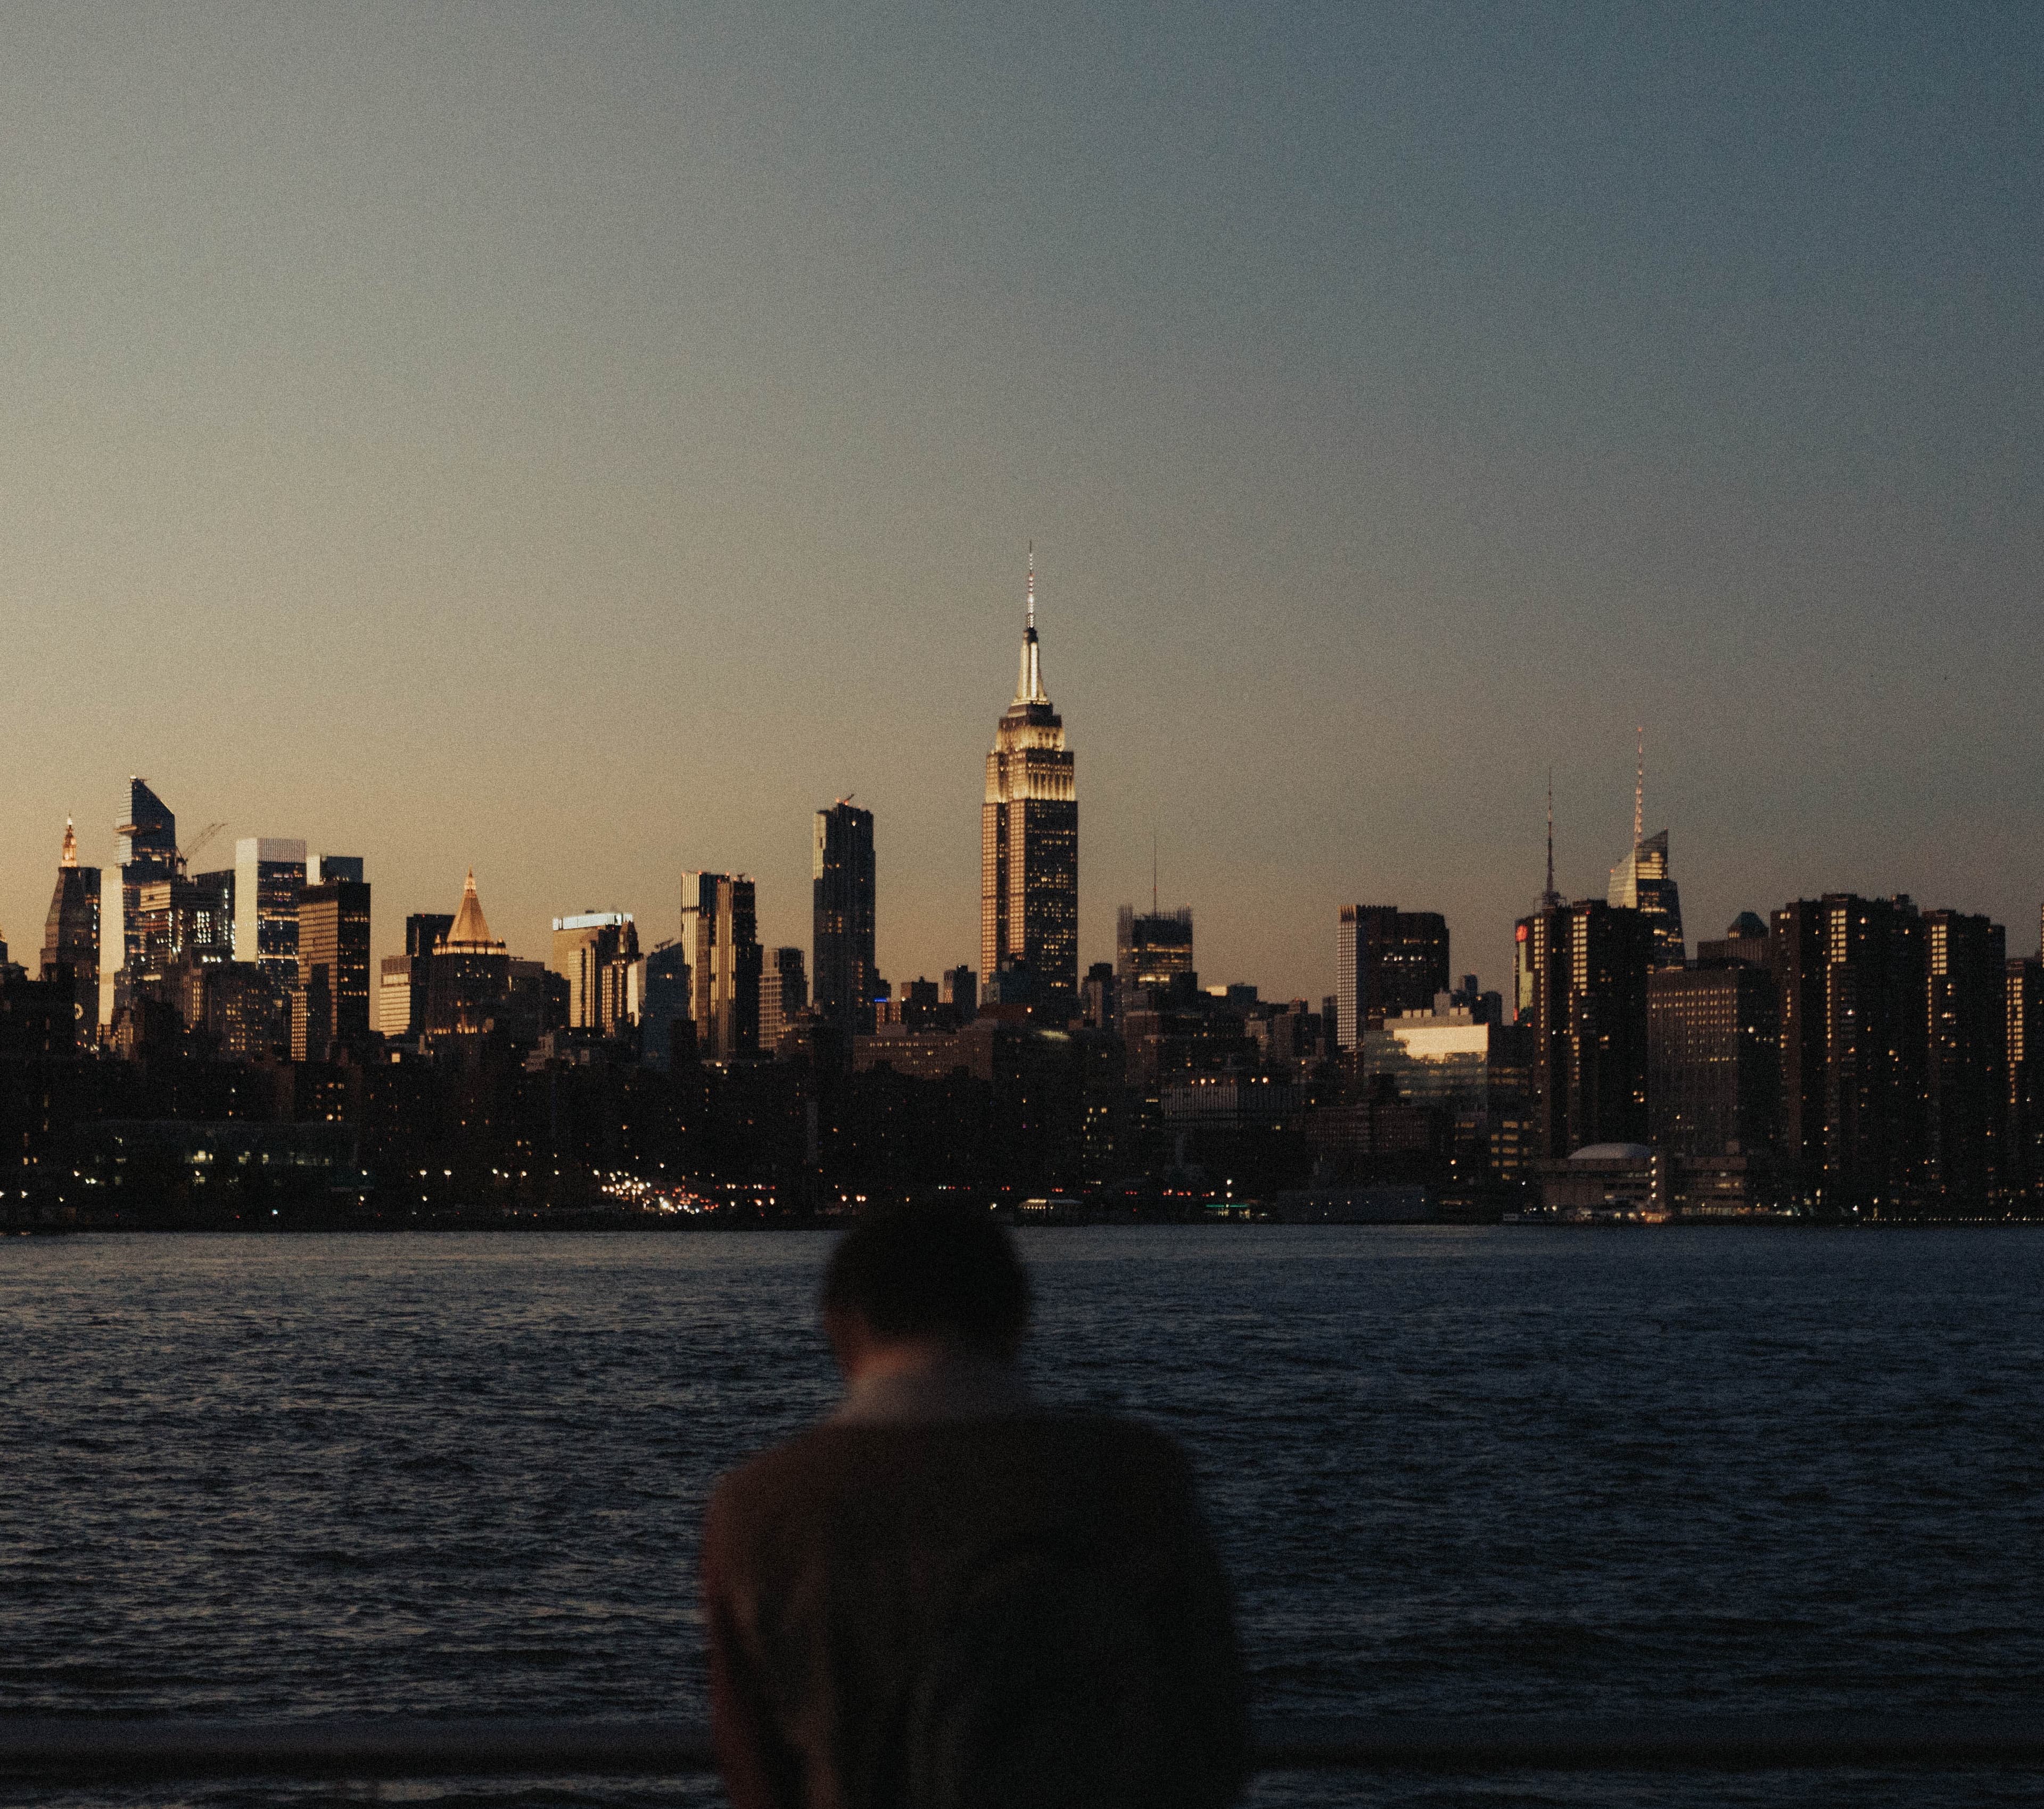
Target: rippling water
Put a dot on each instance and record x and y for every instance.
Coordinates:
(1505, 1469)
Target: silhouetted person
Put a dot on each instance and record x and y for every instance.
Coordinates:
(948, 1597)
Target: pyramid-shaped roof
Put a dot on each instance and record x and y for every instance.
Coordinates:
(471, 928)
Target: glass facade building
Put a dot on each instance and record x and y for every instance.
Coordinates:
(720, 944)
(842, 923)
(594, 951)
(269, 874)
(1387, 962)
(1642, 883)
(1151, 947)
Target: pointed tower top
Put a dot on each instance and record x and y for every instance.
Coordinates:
(470, 926)
(69, 857)
(1029, 684)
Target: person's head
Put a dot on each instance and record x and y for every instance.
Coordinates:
(929, 1280)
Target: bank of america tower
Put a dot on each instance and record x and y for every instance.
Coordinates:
(1029, 846)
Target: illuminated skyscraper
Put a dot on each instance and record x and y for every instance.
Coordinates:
(1029, 841)
(1641, 881)
(269, 874)
(468, 975)
(1151, 947)
(595, 953)
(721, 943)
(71, 933)
(843, 918)
(331, 1005)
(147, 850)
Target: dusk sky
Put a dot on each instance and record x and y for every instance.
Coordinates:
(579, 442)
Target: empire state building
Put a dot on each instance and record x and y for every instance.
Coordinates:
(1029, 842)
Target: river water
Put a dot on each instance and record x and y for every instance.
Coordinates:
(1505, 1469)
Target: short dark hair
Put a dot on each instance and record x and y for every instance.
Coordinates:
(932, 1273)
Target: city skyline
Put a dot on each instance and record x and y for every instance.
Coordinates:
(592, 446)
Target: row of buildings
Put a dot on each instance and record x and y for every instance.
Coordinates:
(1848, 1055)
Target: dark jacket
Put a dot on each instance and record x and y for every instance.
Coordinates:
(846, 1570)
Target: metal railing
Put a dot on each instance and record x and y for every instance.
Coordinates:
(84, 1750)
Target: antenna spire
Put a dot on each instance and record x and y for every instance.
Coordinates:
(1029, 684)
(1153, 873)
(1032, 617)
(1550, 897)
(1639, 791)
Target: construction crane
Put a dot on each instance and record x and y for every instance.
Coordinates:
(205, 836)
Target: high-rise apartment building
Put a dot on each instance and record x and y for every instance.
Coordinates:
(593, 952)
(269, 874)
(1966, 1082)
(147, 850)
(1386, 961)
(2023, 998)
(1580, 981)
(1152, 948)
(721, 943)
(843, 925)
(1855, 1007)
(1713, 1059)
(1029, 842)
(330, 1010)
(959, 988)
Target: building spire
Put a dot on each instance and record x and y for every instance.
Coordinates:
(1639, 791)
(69, 857)
(1029, 685)
(1550, 897)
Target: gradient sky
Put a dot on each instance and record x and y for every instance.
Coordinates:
(578, 442)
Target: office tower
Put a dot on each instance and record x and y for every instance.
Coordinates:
(1029, 842)
(1642, 883)
(784, 996)
(394, 996)
(71, 932)
(1152, 947)
(269, 874)
(1473, 1078)
(1965, 1084)
(1713, 1059)
(1100, 997)
(1744, 943)
(721, 943)
(1580, 983)
(842, 870)
(323, 867)
(666, 1008)
(180, 920)
(2022, 1172)
(468, 973)
(1386, 961)
(147, 850)
(331, 1009)
(595, 953)
(1854, 1004)
(959, 988)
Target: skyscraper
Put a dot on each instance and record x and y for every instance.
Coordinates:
(71, 932)
(269, 874)
(1386, 961)
(1029, 841)
(842, 939)
(331, 1009)
(593, 952)
(147, 850)
(1855, 1005)
(1966, 1081)
(784, 996)
(468, 974)
(1580, 981)
(1642, 881)
(1151, 947)
(721, 943)
(1713, 1059)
